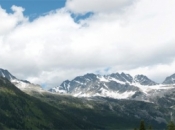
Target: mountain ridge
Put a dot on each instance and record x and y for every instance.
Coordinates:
(23, 85)
(6, 74)
(113, 85)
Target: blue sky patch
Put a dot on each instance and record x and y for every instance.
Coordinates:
(33, 8)
(78, 17)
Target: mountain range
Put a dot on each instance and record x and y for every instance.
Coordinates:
(115, 85)
(118, 86)
(87, 102)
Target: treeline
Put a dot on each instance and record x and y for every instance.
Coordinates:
(170, 126)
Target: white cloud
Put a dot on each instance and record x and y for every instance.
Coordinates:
(53, 48)
(156, 73)
(97, 6)
(9, 21)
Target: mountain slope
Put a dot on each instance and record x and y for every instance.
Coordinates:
(23, 85)
(112, 113)
(21, 111)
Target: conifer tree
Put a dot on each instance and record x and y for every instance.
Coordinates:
(142, 125)
(150, 128)
(171, 126)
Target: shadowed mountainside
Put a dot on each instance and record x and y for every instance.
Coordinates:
(21, 111)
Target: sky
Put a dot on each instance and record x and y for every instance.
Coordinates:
(49, 41)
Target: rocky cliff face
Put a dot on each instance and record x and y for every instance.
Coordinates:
(118, 86)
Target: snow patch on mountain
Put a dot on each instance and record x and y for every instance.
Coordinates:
(102, 79)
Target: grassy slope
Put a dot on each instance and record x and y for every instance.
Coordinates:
(21, 111)
(100, 113)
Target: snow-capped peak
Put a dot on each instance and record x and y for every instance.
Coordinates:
(116, 85)
(170, 79)
(24, 85)
(6, 74)
(143, 80)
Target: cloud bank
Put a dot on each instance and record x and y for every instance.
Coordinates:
(98, 6)
(134, 37)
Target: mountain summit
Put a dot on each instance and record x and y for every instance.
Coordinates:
(143, 80)
(6, 74)
(170, 79)
(23, 85)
